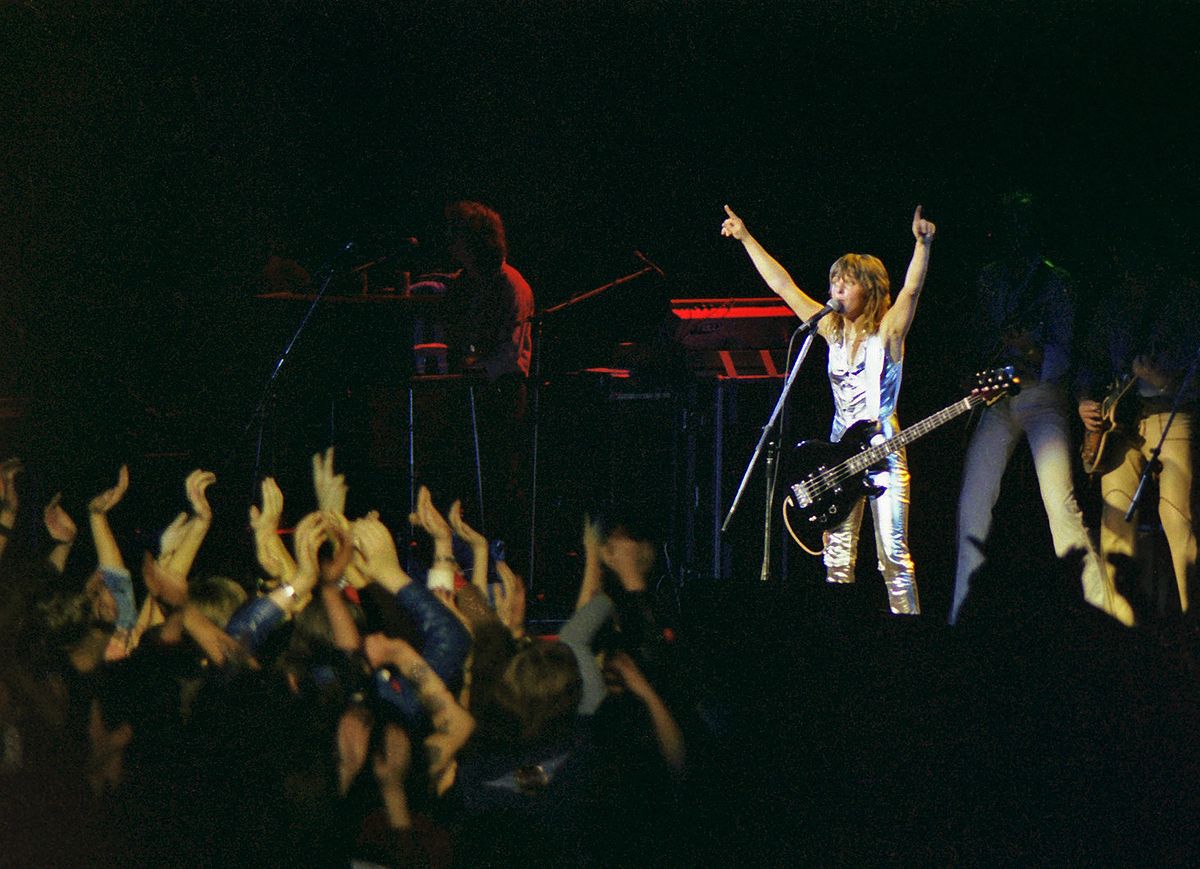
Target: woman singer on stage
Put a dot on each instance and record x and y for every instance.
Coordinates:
(866, 360)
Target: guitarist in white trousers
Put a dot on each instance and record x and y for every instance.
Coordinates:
(1025, 307)
(1137, 336)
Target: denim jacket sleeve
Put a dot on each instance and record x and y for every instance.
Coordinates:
(446, 642)
(253, 623)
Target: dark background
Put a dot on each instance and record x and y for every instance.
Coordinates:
(152, 154)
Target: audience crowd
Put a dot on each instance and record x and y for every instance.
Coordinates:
(329, 707)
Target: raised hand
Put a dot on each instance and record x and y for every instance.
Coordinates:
(510, 600)
(110, 498)
(59, 525)
(172, 536)
(733, 227)
(273, 556)
(477, 542)
(168, 588)
(310, 534)
(428, 517)
(923, 230)
(196, 486)
(381, 563)
(9, 502)
(464, 531)
(330, 488)
(337, 531)
(629, 559)
(267, 519)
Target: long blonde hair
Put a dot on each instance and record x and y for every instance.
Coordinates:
(869, 273)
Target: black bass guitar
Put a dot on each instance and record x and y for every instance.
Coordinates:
(832, 477)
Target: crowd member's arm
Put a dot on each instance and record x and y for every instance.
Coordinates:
(62, 530)
(592, 568)
(775, 275)
(391, 765)
(631, 561)
(341, 622)
(445, 641)
(452, 725)
(477, 542)
(898, 320)
(429, 519)
(112, 565)
(9, 501)
(171, 591)
(186, 543)
(106, 544)
(273, 555)
(253, 623)
(510, 600)
(625, 672)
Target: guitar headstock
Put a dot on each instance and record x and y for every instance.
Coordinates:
(995, 383)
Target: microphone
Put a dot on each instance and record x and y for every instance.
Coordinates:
(649, 262)
(833, 306)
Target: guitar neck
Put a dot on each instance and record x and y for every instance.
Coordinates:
(875, 454)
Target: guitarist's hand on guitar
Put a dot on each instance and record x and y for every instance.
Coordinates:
(1089, 412)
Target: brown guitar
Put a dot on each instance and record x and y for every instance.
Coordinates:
(1096, 452)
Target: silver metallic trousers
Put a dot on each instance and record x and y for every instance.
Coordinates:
(889, 515)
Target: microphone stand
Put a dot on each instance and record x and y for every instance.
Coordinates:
(260, 412)
(540, 319)
(1146, 471)
(769, 511)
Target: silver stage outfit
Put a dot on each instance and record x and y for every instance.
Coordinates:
(867, 386)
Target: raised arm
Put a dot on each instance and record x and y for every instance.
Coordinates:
(273, 555)
(9, 502)
(452, 725)
(61, 528)
(898, 320)
(194, 529)
(478, 544)
(106, 544)
(775, 275)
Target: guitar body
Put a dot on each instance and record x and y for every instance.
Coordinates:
(810, 517)
(830, 478)
(1100, 449)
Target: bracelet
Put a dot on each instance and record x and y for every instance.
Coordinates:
(450, 559)
(5, 530)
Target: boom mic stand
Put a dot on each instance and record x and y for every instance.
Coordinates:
(809, 326)
(260, 412)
